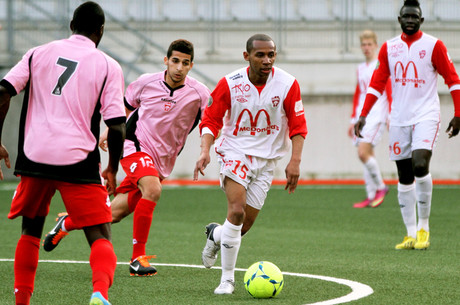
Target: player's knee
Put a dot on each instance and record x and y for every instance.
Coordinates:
(421, 168)
(152, 193)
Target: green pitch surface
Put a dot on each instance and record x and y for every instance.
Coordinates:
(327, 249)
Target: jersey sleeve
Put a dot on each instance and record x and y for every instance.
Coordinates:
(18, 76)
(219, 103)
(355, 100)
(378, 81)
(444, 65)
(132, 100)
(112, 107)
(295, 113)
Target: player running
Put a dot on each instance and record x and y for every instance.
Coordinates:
(162, 109)
(68, 85)
(263, 110)
(375, 125)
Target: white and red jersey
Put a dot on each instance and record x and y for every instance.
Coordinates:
(381, 109)
(413, 62)
(162, 117)
(256, 123)
(68, 85)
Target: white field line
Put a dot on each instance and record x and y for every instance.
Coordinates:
(359, 290)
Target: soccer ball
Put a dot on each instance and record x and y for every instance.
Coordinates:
(263, 280)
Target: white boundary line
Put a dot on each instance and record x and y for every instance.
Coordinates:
(359, 290)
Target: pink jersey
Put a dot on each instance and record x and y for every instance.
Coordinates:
(69, 84)
(163, 117)
(413, 62)
(380, 111)
(256, 124)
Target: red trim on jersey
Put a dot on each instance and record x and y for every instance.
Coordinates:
(389, 93)
(355, 100)
(296, 120)
(221, 102)
(410, 39)
(456, 97)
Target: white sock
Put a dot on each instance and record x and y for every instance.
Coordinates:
(406, 198)
(216, 234)
(373, 167)
(230, 245)
(424, 192)
(371, 188)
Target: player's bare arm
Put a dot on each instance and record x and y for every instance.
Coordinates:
(4, 106)
(359, 126)
(115, 138)
(454, 127)
(206, 141)
(293, 168)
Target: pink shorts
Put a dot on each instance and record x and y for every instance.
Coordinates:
(86, 204)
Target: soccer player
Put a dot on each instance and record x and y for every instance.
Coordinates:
(375, 125)
(413, 60)
(162, 109)
(69, 84)
(263, 113)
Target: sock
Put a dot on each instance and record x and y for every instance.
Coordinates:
(216, 234)
(371, 188)
(68, 225)
(103, 262)
(143, 215)
(406, 198)
(373, 167)
(230, 245)
(25, 267)
(423, 192)
(133, 199)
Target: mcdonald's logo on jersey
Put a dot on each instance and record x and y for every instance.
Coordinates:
(403, 77)
(253, 123)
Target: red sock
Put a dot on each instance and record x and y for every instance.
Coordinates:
(103, 262)
(133, 199)
(25, 267)
(143, 215)
(69, 225)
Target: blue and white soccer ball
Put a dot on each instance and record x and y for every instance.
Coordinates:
(263, 280)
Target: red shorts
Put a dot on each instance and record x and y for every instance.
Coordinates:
(86, 204)
(136, 166)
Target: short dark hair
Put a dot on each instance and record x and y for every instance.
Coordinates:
(261, 37)
(181, 45)
(413, 3)
(88, 18)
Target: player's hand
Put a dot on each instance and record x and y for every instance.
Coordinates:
(201, 164)
(5, 156)
(103, 140)
(359, 126)
(351, 130)
(111, 177)
(292, 176)
(454, 127)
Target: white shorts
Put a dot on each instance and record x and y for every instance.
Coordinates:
(371, 133)
(254, 173)
(405, 139)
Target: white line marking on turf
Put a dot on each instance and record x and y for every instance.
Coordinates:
(359, 290)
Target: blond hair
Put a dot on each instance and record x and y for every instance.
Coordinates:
(368, 34)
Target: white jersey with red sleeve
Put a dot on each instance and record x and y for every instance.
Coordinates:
(162, 117)
(380, 111)
(413, 62)
(68, 85)
(256, 124)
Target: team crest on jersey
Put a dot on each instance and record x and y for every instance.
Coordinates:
(422, 54)
(169, 104)
(210, 100)
(275, 101)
